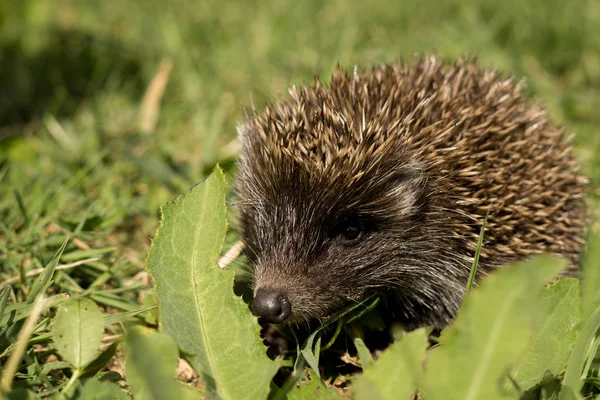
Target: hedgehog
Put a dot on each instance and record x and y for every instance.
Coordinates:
(379, 183)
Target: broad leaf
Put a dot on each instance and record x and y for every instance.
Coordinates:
(210, 324)
(590, 282)
(78, 330)
(313, 390)
(580, 355)
(93, 389)
(151, 365)
(490, 334)
(396, 372)
(554, 334)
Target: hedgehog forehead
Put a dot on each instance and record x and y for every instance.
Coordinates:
(317, 197)
(320, 130)
(347, 185)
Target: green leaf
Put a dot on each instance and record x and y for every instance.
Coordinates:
(590, 281)
(150, 366)
(78, 330)
(114, 300)
(364, 354)
(54, 365)
(93, 389)
(572, 381)
(313, 390)
(150, 303)
(124, 316)
(3, 300)
(14, 316)
(475, 264)
(17, 312)
(567, 393)
(308, 353)
(99, 362)
(20, 394)
(43, 281)
(554, 334)
(109, 376)
(210, 324)
(396, 372)
(491, 332)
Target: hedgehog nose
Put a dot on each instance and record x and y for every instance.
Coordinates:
(271, 305)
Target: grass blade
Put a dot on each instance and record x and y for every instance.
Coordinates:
(43, 281)
(3, 300)
(17, 312)
(21, 205)
(124, 316)
(17, 354)
(473, 272)
(364, 353)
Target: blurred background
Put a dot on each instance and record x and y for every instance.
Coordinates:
(91, 145)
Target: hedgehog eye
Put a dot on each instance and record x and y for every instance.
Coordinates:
(351, 230)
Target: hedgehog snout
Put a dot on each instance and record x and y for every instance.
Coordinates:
(271, 305)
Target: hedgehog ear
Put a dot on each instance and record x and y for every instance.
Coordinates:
(409, 188)
(409, 174)
(412, 171)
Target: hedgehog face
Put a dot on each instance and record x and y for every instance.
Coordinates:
(317, 244)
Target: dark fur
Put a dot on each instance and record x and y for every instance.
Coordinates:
(416, 156)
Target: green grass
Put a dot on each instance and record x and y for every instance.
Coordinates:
(74, 162)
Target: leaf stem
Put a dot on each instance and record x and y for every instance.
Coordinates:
(69, 385)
